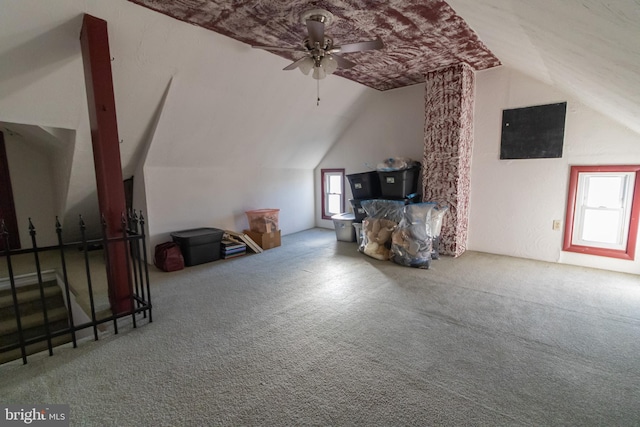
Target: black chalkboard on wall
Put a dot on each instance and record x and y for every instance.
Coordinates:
(533, 132)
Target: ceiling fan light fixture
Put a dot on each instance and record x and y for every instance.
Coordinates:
(329, 64)
(306, 66)
(321, 55)
(319, 73)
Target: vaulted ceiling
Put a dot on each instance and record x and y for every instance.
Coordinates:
(586, 48)
(419, 35)
(176, 82)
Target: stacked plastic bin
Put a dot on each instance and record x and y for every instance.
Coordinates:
(400, 184)
(392, 221)
(364, 186)
(391, 185)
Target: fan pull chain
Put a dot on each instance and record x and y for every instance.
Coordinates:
(318, 91)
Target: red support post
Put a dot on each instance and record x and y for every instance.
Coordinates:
(94, 42)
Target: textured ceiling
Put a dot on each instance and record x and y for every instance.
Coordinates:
(587, 48)
(419, 35)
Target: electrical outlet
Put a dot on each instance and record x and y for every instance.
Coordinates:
(556, 224)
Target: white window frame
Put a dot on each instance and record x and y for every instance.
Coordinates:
(326, 174)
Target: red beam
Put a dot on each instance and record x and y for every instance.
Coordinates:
(94, 42)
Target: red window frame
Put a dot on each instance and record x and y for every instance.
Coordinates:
(629, 252)
(323, 180)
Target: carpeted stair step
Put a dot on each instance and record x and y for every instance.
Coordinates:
(28, 299)
(25, 293)
(14, 354)
(30, 322)
(32, 318)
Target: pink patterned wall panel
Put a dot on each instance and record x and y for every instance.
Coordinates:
(448, 142)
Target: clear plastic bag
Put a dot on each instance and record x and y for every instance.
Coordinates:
(378, 226)
(412, 240)
(381, 208)
(396, 164)
(437, 218)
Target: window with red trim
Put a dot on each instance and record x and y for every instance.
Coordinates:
(332, 192)
(602, 211)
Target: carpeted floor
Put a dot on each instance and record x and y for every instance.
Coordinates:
(315, 333)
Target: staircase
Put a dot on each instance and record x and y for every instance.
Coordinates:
(32, 319)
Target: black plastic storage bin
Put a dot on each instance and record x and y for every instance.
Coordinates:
(399, 184)
(412, 198)
(358, 210)
(365, 185)
(199, 245)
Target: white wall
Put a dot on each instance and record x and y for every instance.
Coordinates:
(62, 163)
(42, 84)
(514, 202)
(230, 108)
(184, 198)
(391, 124)
(223, 146)
(33, 190)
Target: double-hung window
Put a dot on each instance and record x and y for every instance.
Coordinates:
(332, 192)
(602, 211)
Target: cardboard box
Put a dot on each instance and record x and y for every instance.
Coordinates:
(265, 240)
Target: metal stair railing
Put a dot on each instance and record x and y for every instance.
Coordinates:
(133, 237)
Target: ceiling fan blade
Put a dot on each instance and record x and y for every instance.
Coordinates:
(295, 64)
(286, 49)
(342, 62)
(316, 32)
(360, 46)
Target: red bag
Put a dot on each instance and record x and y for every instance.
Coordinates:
(168, 257)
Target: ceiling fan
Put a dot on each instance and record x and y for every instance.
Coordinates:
(321, 55)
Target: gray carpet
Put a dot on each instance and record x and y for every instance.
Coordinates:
(315, 333)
